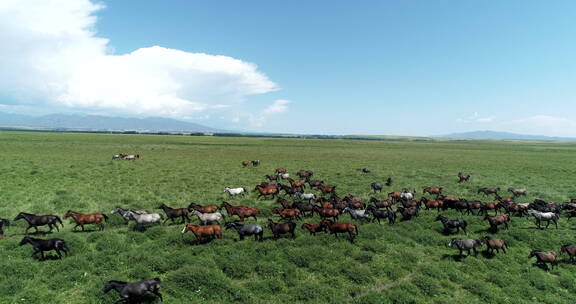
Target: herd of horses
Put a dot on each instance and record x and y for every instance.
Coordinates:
(305, 198)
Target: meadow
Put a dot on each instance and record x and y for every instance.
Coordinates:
(409, 262)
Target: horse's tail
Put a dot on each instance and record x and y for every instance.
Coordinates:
(105, 217)
(356, 231)
(57, 218)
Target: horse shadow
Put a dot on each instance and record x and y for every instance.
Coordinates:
(454, 257)
(542, 266)
(51, 257)
(488, 255)
(487, 230)
(41, 233)
(85, 230)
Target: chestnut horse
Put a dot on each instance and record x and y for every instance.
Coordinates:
(287, 214)
(245, 163)
(327, 213)
(498, 220)
(241, 211)
(327, 189)
(84, 219)
(265, 191)
(337, 227)
(203, 232)
(202, 209)
(313, 228)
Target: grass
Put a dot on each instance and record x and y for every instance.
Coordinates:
(405, 263)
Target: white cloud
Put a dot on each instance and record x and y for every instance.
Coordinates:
(476, 118)
(278, 106)
(51, 56)
(543, 124)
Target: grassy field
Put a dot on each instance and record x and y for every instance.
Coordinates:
(405, 263)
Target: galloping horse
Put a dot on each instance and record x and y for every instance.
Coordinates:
(202, 232)
(40, 220)
(172, 213)
(84, 219)
(241, 211)
(133, 291)
(41, 245)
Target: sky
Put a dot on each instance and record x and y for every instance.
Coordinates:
(407, 67)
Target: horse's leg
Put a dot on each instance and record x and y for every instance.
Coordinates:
(58, 252)
(556, 223)
(81, 226)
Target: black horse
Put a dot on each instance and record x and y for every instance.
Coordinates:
(134, 291)
(382, 214)
(376, 187)
(3, 222)
(451, 224)
(41, 245)
(40, 220)
(247, 230)
(389, 182)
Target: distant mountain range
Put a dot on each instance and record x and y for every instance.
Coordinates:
(502, 135)
(95, 122)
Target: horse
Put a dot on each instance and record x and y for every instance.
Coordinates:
(365, 170)
(474, 205)
(388, 182)
(517, 192)
(491, 206)
(41, 245)
(247, 230)
(134, 291)
(241, 211)
(431, 204)
(280, 170)
(327, 189)
(543, 257)
(305, 174)
(202, 209)
(119, 156)
(40, 220)
(465, 245)
(132, 157)
(357, 214)
(382, 214)
(544, 216)
(407, 194)
(288, 214)
(202, 232)
(488, 191)
(235, 191)
(451, 224)
(284, 175)
(498, 220)
(143, 219)
(281, 228)
(306, 196)
(3, 222)
(83, 219)
(494, 244)
(394, 196)
(381, 203)
(172, 213)
(315, 183)
(123, 212)
(265, 191)
(432, 190)
(245, 163)
(271, 177)
(463, 177)
(295, 183)
(256, 163)
(336, 227)
(407, 213)
(327, 213)
(304, 207)
(208, 217)
(376, 187)
(313, 228)
(570, 250)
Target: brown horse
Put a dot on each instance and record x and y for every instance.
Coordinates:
(433, 190)
(85, 219)
(287, 214)
(394, 196)
(315, 183)
(381, 203)
(202, 209)
(245, 163)
(327, 213)
(543, 257)
(203, 232)
(494, 244)
(491, 206)
(266, 191)
(281, 228)
(327, 189)
(336, 227)
(305, 174)
(241, 211)
(463, 177)
(280, 170)
(431, 204)
(498, 220)
(570, 250)
(313, 228)
(172, 213)
(295, 183)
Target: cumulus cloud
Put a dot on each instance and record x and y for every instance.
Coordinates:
(278, 106)
(476, 118)
(52, 57)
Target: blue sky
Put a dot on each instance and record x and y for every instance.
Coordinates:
(331, 67)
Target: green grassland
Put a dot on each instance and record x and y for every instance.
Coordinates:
(405, 263)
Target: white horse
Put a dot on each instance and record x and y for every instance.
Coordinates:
(132, 157)
(357, 214)
(143, 219)
(235, 191)
(544, 216)
(305, 196)
(284, 175)
(407, 195)
(208, 217)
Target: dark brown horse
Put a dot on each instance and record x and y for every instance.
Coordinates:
(40, 220)
(337, 227)
(463, 177)
(327, 189)
(173, 213)
(280, 170)
(241, 211)
(315, 183)
(281, 228)
(429, 204)
(305, 174)
(85, 219)
(327, 213)
(570, 250)
(498, 220)
(381, 203)
(245, 163)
